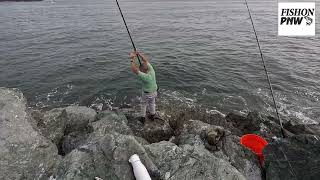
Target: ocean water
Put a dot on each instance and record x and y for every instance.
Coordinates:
(62, 52)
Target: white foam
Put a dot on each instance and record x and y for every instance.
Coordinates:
(286, 108)
(214, 111)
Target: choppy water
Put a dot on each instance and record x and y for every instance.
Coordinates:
(63, 52)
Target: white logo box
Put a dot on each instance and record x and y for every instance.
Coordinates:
(290, 14)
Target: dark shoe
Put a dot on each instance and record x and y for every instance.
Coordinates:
(142, 119)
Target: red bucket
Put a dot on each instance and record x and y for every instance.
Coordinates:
(256, 144)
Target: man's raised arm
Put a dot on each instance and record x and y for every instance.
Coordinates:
(134, 68)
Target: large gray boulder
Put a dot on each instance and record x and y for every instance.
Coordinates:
(24, 153)
(110, 121)
(51, 124)
(66, 127)
(105, 152)
(297, 157)
(78, 118)
(190, 163)
(105, 157)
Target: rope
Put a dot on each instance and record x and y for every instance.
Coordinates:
(266, 71)
(124, 21)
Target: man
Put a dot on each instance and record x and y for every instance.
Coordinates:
(149, 85)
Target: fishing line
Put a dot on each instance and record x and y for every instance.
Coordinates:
(124, 21)
(266, 71)
(271, 90)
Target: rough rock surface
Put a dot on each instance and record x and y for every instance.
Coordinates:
(72, 141)
(66, 127)
(51, 124)
(100, 144)
(241, 158)
(106, 152)
(24, 153)
(153, 131)
(313, 129)
(157, 130)
(189, 162)
(256, 123)
(78, 117)
(105, 157)
(211, 135)
(109, 121)
(200, 134)
(297, 157)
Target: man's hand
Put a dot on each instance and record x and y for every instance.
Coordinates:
(134, 68)
(144, 58)
(133, 55)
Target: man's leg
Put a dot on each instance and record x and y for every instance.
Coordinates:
(143, 106)
(152, 105)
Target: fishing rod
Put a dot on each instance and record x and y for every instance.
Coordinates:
(124, 21)
(266, 71)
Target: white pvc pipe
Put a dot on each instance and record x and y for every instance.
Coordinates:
(139, 170)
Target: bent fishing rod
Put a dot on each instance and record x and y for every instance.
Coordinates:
(124, 21)
(266, 72)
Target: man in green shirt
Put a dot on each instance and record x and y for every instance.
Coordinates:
(149, 84)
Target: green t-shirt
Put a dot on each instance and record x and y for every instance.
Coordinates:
(149, 83)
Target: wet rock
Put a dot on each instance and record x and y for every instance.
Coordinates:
(157, 130)
(297, 129)
(256, 123)
(24, 153)
(189, 162)
(248, 124)
(297, 157)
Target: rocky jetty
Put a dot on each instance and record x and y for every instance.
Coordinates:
(77, 142)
